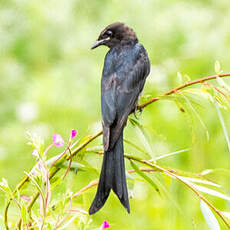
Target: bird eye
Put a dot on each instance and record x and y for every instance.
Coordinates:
(109, 33)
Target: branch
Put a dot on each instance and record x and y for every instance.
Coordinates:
(65, 157)
(95, 182)
(156, 167)
(186, 84)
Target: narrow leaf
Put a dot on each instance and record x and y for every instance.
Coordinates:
(226, 214)
(70, 221)
(169, 154)
(222, 83)
(143, 136)
(23, 211)
(36, 184)
(180, 77)
(225, 172)
(5, 187)
(187, 77)
(209, 216)
(74, 166)
(135, 146)
(217, 68)
(130, 184)
(196, 180)
(95, 148)
(211, 192)
(223, 125)
(198, 116)
(148, 179)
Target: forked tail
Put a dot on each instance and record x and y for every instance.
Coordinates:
(112, 177)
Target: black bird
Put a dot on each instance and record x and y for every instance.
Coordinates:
(126, 67)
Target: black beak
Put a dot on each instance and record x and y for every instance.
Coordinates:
(99, 42)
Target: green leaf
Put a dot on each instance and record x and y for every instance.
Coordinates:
(218, 68)
(170, 154)
(81, 154)
(210, 191)
(34, 181)
(187, 77)
(222, 124)
(5, 187)
(165, 191)
(56, 182)
(86, 166)
(70, 220)
(220, 102)
(148, 179)
(49, 226)
(130, 183)
(196, 180)
(74, 165)
(95, 148)
(226, 214)
(209, 216)
(144, 137)
(222, 83)
(23, 212)
(129, 176)
(135, 146)
(223, 171)
(198, 116)
(180, 78)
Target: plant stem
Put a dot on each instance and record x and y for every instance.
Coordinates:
(156, 167)
(186, 84)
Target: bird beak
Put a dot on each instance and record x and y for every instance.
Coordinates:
(99, 42)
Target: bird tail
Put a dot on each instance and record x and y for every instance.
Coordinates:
(112, 177)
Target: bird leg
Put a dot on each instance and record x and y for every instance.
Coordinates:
(137, 109)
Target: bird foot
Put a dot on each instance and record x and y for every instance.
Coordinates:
(137, 110)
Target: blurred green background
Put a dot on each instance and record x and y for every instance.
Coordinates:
(50, 83)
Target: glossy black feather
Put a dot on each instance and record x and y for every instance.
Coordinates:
(125, 70)
(124, 74)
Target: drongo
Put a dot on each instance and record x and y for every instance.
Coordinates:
(126, 67)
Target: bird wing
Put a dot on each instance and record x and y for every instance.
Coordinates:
(120, 91)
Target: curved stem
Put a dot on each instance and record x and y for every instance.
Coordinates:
(169, 172)
(186, 84)
(156, 168)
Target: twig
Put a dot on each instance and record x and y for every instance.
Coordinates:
(186, 84)
(69, 165)
(95, 182)
(65, 157)
(156, 167)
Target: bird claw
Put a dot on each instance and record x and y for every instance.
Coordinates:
(137, 109)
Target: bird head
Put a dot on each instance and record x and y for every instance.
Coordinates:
(115, 34)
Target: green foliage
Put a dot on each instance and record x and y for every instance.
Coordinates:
(50, 83)
(209, 217)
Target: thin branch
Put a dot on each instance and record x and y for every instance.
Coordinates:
(156, 167)
(186, 84)
(95, 182)
(69, 165)
(74, 152)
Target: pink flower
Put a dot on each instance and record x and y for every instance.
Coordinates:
(58, 140)
(73, 133)
(105, 225)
